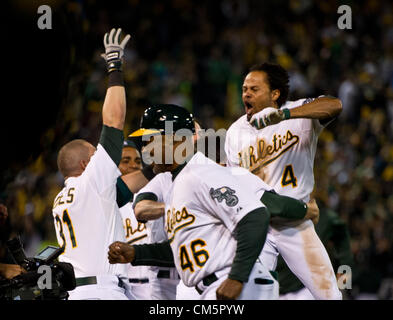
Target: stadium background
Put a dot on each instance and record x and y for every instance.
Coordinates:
(196, 54)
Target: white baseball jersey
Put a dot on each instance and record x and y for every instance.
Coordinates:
(282, 154)
(135, 233)
(204, 205)
(87, 218)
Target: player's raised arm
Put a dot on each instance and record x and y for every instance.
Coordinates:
(114, 110)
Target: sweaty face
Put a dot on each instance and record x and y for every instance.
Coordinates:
(130, 160)
(256, 94)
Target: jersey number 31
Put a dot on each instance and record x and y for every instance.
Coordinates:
(66, 219)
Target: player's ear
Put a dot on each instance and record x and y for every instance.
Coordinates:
(275, 94)
(83, 164)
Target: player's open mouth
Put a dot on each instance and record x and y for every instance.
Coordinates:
(249, 109)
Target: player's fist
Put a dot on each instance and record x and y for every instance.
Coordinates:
(114, 49)
(269, 116)
(121, 252)
(229, 290)
(312, 211)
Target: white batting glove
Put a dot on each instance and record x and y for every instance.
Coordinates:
(114, 49)
(269, 116)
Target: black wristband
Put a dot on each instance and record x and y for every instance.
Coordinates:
(115, 78)
(148, 172)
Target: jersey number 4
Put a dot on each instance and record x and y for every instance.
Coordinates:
(200, 256)
(288, 177)
(66, 219)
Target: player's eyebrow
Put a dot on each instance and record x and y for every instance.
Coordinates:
(251, 87)
(125, 158)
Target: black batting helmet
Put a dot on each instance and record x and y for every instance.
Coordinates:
(154, 120)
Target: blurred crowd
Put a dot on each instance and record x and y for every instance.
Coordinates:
(196, 54)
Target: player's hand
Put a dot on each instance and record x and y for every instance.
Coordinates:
(229, 290)
(114, 49)
(312, 211)
(121, 252)
(10, 271)
(267, 117)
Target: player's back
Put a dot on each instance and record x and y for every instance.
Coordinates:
(87, 218)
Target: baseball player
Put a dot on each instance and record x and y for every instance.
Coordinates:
(195, 209)
(282, 154)
(135, 231)
(165, 282)
(86, 212)
(333, 233)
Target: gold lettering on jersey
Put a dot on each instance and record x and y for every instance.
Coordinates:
(136, 239)
(69, 199)
(266, 153)
(130, 231)
(176, 220)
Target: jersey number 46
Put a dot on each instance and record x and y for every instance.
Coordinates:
(199, 256)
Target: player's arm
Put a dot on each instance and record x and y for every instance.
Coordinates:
(129, 184)
(250, 234)
(290, 208)
(324, 109)
(154, 254)
(146, 207)
(135, 181)
(113, 117)
(114, 109)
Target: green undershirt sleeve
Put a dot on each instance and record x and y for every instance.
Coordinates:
(144, 196)
(250, 234)
(112, 141)
(123, 194)
(283, 206)
(154, 254)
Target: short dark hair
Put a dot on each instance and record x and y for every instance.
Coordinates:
(278, 78)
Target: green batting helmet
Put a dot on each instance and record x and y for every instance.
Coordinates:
(154, 120)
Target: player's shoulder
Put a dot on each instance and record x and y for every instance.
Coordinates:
(204, 171)
(162, 176)
(158, 185)
(239, 123)
(299, 102)
(296, 103)
(199, 168)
